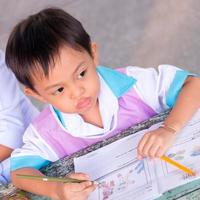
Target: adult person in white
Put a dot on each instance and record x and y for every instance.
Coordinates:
(16, 112)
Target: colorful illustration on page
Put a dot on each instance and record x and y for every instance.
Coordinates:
(118, 183)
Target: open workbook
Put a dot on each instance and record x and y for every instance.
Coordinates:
(121, 176)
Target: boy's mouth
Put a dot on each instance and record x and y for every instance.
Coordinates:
(84, 103)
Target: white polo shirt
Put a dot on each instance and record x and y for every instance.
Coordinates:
(16, 110)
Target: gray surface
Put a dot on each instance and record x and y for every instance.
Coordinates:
(128, 32)
(145, 33)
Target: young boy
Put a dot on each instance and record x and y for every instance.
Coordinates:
(16, 113)
(52, 55)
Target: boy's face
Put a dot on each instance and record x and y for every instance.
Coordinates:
(73, 83)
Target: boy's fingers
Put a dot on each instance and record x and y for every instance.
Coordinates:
(80, 176)
(78, 187)
(147, 147)
(89, 189)
(153, 150)
(159, 152)
(141, 145)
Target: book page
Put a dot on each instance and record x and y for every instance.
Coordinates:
(185, 151)
(119, 174)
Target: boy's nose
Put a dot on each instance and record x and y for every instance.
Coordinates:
(76, 91)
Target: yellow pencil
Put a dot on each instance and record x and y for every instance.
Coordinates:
(181, 167)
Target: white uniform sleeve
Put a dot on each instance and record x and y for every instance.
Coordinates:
(35, 152)
(159, 89)
(16, 111)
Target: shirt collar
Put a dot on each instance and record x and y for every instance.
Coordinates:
(76, 126)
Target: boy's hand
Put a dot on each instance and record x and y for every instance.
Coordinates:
(75, 191)
(155, 143)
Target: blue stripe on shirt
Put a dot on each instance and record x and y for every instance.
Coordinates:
(35, 162)
(118, 82)
(176, 86)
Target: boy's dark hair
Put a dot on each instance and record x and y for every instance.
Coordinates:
(34, 42)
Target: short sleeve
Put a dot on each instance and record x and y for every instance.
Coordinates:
(35, 152)
(158, 88)
(16, 110)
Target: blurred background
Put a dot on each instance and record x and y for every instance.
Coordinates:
(145, 33)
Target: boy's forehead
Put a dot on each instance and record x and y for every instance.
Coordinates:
(38, 76)
(66, 62)
(43, 70)
(55, 76)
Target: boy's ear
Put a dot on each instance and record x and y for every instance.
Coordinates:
(95, 53)
(32, 93)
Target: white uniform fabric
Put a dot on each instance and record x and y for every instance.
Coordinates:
(153, 85)
(16, 112)
(77, 127)
(33, 142)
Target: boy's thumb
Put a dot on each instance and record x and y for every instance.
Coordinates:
(81, 186)
(79, 176)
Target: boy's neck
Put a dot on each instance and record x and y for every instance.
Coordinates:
(94, 117)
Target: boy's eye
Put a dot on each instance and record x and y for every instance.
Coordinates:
(82, 74)
(59, 91)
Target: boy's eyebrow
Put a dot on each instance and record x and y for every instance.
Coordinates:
(79, 65)
(59, 83)
(52, 86)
